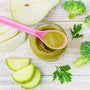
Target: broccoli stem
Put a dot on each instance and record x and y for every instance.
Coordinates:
(81, 61)
(72, 15)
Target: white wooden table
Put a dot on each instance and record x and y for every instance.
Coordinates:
(80, 76)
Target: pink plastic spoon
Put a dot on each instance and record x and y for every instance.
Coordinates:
(24, 28)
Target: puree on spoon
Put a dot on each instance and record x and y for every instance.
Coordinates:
(55, 39)
(40, 49)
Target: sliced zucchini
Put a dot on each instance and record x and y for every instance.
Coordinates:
(4, 29)
(17, 63)
(13, 43)
(34, 81)
(24, 75)
(8, 35)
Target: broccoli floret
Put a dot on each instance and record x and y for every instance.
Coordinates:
(85, 48)
(85, 51)
(75, 8)
(87, 20)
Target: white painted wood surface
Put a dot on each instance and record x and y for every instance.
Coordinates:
(81, 76)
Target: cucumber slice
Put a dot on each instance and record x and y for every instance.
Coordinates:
(17, 63)
(23, 75)
(34, 81)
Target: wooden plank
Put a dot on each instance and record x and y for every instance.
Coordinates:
(81, 76)
(56, 14)
(47, 68)
(59, 14)
(78, 83)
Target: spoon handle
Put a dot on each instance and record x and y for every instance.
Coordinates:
(18, 26)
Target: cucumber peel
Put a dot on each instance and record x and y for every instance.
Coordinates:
(24, 75)
(34, 81)
(17, 63)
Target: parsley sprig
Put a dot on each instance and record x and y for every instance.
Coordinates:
(75, 31)
(62, 74)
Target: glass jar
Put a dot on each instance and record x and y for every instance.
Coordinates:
(40, 49)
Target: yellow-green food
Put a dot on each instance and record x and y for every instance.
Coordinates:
(75, 7)
(31, 11)
(34, 81)
(85, 52)
(87, 20)
(42, 50)
(4, 29)
(10, 38)
(17, 63)
(55, 40)
(8, 35)
(13, 43)
(24, 75)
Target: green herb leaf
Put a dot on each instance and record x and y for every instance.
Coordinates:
(77, 35)
(75, 31)
(54, 75)
(77, 28)
(65, 68)
(62, 74)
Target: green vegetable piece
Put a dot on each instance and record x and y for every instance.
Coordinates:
(24, 75)
(62, 74)
(81, 61)
(34, 81)
(85, 51)
(87, 20)
(75, 8)
(75, 31)
(17, 63)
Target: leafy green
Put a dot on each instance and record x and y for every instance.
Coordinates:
(62, 74)
(75, 31)
(85, 51)
(87, 20)
(75, 8)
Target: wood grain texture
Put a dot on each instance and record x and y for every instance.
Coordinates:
(81, 76)
(71, 54)
(57, 14)
(78, 83)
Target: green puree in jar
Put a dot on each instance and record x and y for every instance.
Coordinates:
(40, 49)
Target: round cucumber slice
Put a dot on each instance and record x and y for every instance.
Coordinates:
(17, 63)
(24, 75)
(34, 81)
